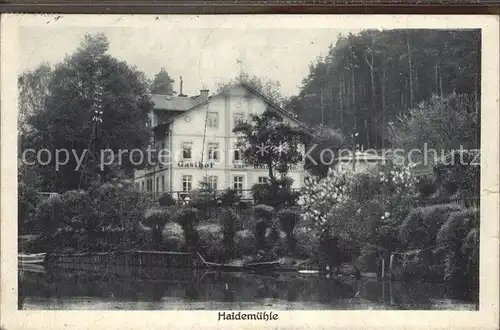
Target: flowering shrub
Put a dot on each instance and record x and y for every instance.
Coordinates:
(359, 208)
(322, 200)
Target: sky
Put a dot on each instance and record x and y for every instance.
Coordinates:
(204, 57)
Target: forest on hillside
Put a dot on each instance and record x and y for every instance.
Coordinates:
(369, 79)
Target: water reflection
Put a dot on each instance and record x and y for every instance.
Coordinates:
(104, 288)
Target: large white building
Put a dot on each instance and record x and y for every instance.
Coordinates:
(197, 139)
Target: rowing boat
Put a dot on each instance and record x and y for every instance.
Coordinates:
(36, 258)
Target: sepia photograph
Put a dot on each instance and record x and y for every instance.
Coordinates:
(249, 170)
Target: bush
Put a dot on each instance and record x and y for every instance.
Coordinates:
(459, 171)
(365, 185)
(421, 226)
(229, 221)
(211, 239)
(307, 243)
(49, 215)
(263, 212)
(275, 193)
(188, 218)
(229, 197)
(288, 219)
(119, 206)
(173, 236)
(263, 219)
(275, 242)
(156, 220)
(166, 200)
(369, 259)
(77, 211)
(27, 199)
(426, 186)
(457, 226)
(453, 236)
(203, 199)
(245, 243)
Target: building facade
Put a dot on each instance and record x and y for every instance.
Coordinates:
(194, 140)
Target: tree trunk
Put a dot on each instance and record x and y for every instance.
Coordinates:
(383, 104)
(440, 86)
(437, 80)
(410, 67)
(476, 103)
(330, 92)
(271, 173)
(322, 105)
(353, 83)
(372, 76)
(341, 103)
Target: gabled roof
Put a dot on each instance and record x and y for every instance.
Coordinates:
(287, 113)
(273, 105)
(174, 103)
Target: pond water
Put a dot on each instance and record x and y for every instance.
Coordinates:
(61, 289)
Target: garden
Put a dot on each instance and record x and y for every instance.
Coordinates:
(345, 218)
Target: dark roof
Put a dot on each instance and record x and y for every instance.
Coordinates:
(174, 103)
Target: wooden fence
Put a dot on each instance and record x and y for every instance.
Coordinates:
(129, 259)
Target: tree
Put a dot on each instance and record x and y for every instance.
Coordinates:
(162, 83)
(443, 123)
(33, 87)
(269, 88)
(368, 79)
(322, 147)
(28, 200)
(268, 141)
(86, 81)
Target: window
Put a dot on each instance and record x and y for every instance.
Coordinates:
(212, 182)
(150, 185)
(213, 119)
(213, 151)
(137, 186)
(162, 183)
(157, 184)
(142, 185)
(187, 182)
(237, 157)
(238, 183)
(238, 118)
(186, 150)
(262, 179)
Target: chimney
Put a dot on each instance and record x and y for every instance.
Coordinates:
(204, 94)
(180, 94)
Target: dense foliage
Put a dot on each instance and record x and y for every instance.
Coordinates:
(277, 193)
(102, 218)
(162, 83)
(28, 198)
(359, 210)
(441, 123)
(266, 140)
(366, 80)
(270, 89)
(86, 80)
